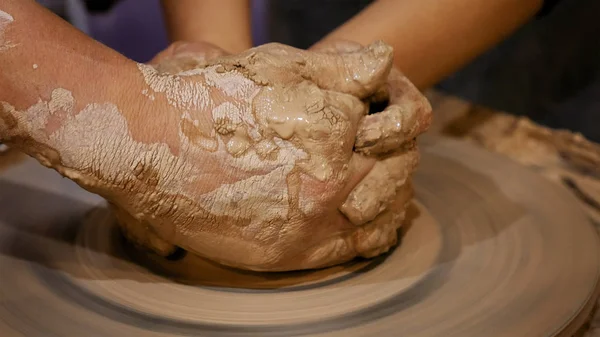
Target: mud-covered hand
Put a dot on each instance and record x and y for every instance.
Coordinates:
(244, 159)
(289, 153)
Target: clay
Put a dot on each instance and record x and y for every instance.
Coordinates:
(564, 157)
(251, 161)
(5, 20)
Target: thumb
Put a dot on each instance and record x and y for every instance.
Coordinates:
(356, 71)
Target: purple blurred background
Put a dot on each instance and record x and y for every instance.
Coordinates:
(133, 27)
(136, 28)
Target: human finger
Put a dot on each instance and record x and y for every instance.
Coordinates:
(378, 189)
(407, 115)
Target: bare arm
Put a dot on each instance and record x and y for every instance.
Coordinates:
(433, 38)
(50, 72)
(224, 23)
(40, 52)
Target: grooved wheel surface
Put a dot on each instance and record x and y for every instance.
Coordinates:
(492, 249)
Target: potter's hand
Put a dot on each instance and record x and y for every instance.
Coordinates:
(376, 205)
(389, 136)
(287, 157)
(243, 159)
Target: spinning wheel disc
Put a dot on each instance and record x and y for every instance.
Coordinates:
(492, 250)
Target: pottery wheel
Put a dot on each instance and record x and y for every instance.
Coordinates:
(492, 249)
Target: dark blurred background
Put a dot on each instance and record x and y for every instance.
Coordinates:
(549, 70)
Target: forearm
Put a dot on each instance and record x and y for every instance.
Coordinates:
(42, 52)
(433, 38)
(224, 23)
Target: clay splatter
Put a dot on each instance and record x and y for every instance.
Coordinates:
(5, 20)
